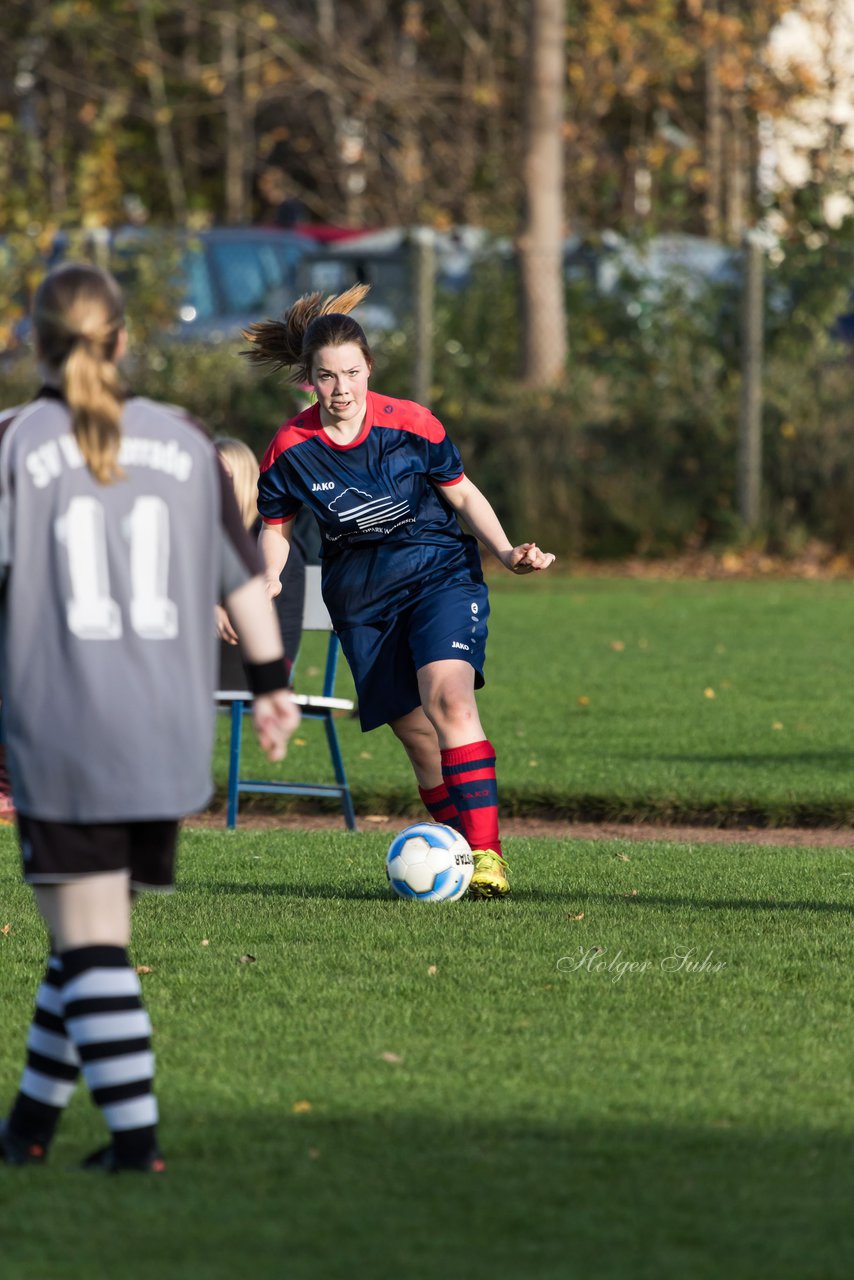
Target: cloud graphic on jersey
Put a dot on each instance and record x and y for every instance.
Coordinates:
(370, 513)
(335, 505)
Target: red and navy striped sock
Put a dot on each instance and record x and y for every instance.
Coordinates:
(469, 774)
(440, 806)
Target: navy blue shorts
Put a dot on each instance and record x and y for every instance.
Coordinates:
(447, 621)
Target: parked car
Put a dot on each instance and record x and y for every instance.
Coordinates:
(382, 262)
(671, 261)
(224, 278)
(383, 259)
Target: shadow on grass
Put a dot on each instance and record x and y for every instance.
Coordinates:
(842, 761)
(642, 899)
(281, 889)
(561, 804)
(387, 1195)
(579, 894)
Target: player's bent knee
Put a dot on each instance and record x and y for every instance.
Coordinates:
(451, 709)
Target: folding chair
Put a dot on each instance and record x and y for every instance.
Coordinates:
(313, 707)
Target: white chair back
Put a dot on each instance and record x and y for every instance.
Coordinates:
(315, 615)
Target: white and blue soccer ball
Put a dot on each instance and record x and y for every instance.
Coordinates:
(429, 862)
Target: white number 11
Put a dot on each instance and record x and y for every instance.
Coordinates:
(92, 612)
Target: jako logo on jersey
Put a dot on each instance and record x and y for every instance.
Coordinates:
(457, 644)
(323, 487)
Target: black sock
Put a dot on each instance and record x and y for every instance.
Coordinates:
(53, 1065)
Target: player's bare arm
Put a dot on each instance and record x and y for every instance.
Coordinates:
(274, 551)
(223, 627)
(275, 714)
(275, 543)
(478, 513)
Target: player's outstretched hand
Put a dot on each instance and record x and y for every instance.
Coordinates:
(528, 558)
(275, 716)
(224, 629)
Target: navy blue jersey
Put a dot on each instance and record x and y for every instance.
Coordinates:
(386, 531)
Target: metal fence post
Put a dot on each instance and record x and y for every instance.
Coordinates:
(423, 243)
(749, 461)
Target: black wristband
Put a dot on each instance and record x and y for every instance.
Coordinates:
(267, 677)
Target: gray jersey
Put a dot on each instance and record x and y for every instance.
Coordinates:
(107, 642)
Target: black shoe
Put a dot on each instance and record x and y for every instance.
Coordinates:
(16, 1150)
(105, 1160)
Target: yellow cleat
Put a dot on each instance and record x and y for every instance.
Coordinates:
(490, 875)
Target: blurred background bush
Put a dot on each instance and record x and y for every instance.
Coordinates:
(635, 455)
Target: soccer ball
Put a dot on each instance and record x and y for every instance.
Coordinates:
(430, 863)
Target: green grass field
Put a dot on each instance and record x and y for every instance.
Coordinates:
(716, 702)
(468, 1091)
(637, 1068)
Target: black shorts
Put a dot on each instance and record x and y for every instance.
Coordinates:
(55, 852)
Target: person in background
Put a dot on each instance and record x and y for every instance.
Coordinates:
(401, 580)
(241, 465)
(7, 804)
(118, 535)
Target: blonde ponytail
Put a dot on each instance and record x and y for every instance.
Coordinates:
(242, 465)
(311, 323)
(78, 318)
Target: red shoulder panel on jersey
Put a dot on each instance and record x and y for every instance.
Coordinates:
(405, 415)
(299, 428)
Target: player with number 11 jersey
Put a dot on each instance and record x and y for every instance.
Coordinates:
(111, 592)
(119, 535)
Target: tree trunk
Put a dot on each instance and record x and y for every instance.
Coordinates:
(56, 149)
(234, 124)
(172, 170)
(251, 98)
(410, 162)
(187, 128)
(712, 210)
(737, 153)
(544, 340)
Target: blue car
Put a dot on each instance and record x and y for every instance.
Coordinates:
(224, 278)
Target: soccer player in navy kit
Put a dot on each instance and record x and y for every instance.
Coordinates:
(119, 533)
(402, 581)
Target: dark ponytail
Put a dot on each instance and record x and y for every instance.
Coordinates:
(311, 323)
